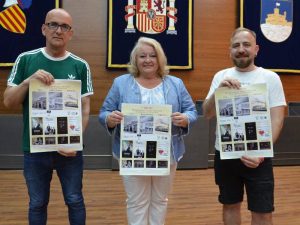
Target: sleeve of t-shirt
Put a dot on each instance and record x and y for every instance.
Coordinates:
(214, 84)
(86, 81)
(17, 73)
(276, 93)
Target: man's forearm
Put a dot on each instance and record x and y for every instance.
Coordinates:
(85, 112)
(15, 95)
(209, 107)
(277, 119)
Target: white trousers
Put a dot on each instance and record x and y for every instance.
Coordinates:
(147, 198)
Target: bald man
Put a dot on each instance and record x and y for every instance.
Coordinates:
(47, 64)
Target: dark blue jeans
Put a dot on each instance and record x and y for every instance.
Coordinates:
(38, 170)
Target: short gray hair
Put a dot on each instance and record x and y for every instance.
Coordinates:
(242, 29)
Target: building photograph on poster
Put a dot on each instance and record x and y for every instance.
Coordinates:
(242, 106)
(71, 100)
(55, 100)
(130, 124)
(146, 124)
(225, 107)
(38, 100)
(258, 103)
(162, 124)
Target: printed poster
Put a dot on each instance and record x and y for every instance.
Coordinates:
(55, 116)
(145, 143)
(244, 122)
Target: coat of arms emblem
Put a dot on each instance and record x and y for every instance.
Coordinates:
(13, 18)
(151, 16)
(276, 19)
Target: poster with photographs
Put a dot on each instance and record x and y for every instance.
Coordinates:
(145, 140)
(244, 122)
(55, 116)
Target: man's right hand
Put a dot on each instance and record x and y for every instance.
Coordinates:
(230, 83)
(42, 75)
(14, 95)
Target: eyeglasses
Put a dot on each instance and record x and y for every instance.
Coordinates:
(63, 27)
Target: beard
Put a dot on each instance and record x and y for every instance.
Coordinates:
(242, 63)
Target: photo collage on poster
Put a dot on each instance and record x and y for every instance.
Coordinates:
(55, 116)
(145, 140)
(244, 125)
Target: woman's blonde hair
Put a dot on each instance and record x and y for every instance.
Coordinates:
(163, 68)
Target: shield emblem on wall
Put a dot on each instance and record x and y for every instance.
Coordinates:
(162, 20)
(276, 19)
(151, 16)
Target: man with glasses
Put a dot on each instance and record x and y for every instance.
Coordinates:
(46, 64)
(54, 26)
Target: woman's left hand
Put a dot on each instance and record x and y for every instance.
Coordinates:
(180, 119)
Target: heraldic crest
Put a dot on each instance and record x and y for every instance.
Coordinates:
(151, 16)
(13, 18)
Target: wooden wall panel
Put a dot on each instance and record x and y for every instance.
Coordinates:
(214, 20)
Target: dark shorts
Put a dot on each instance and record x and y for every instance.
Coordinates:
(231, 175)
